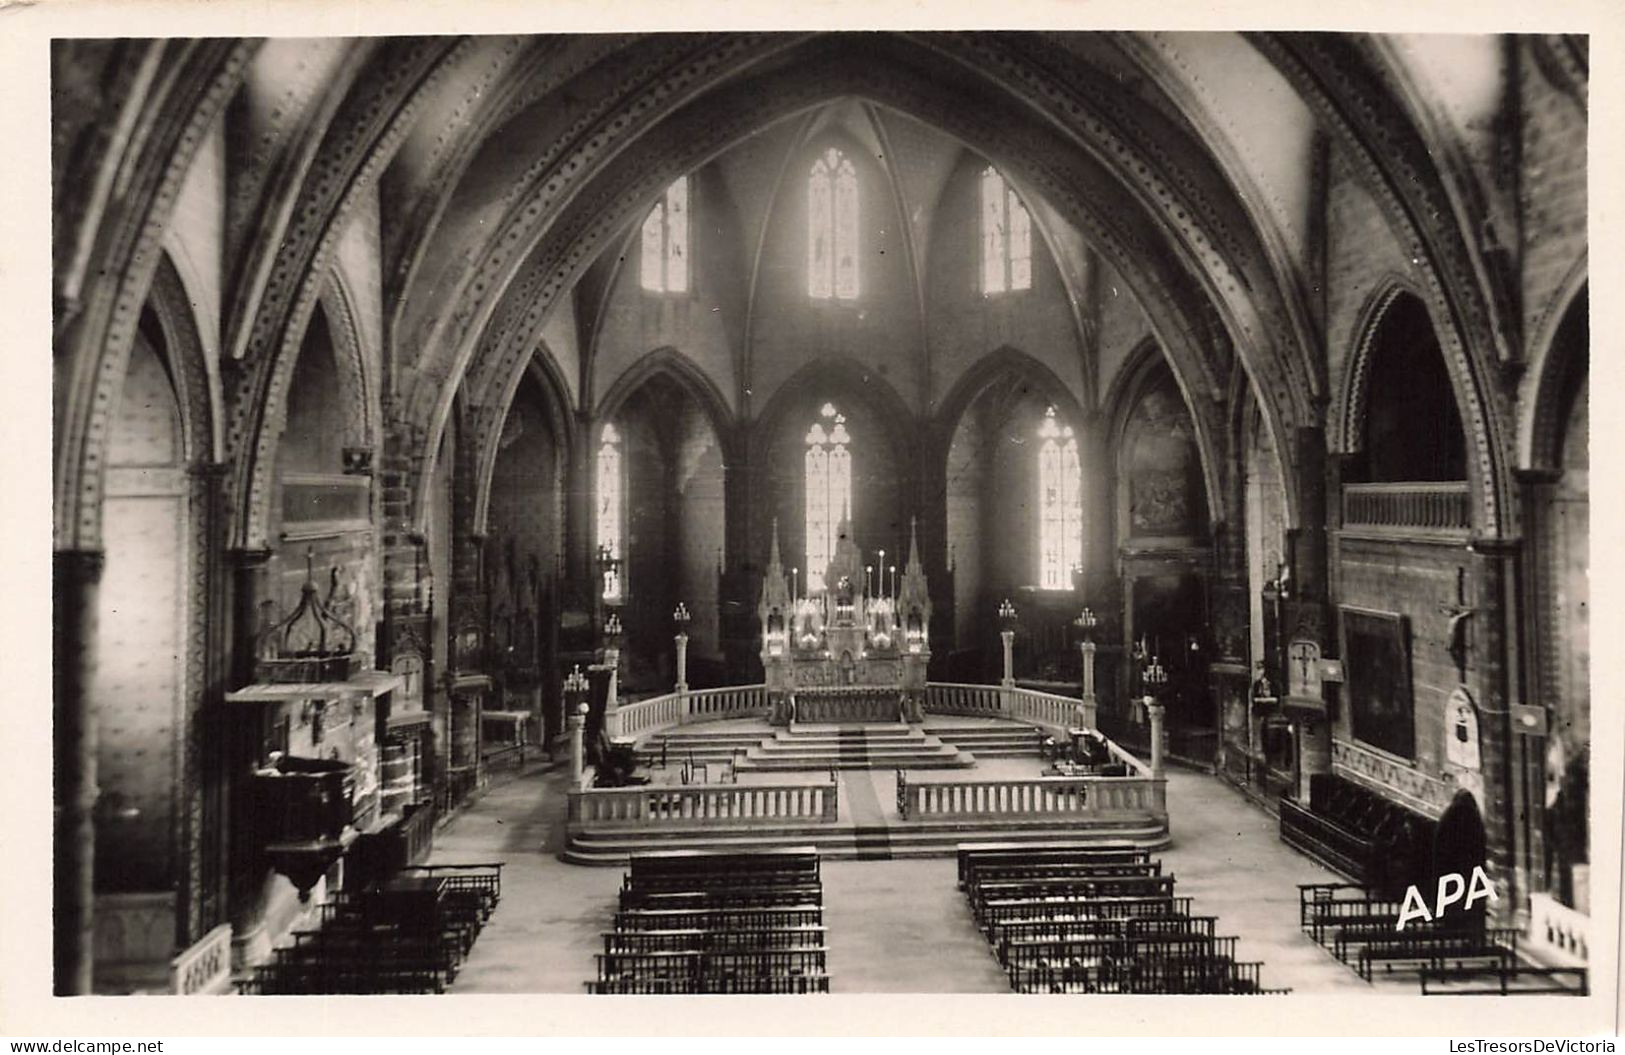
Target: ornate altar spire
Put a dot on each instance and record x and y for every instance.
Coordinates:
(913, 595)
(775, 591)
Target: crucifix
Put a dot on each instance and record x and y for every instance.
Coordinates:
(1458, 613)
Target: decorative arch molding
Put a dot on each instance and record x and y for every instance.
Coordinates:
(364, 136)
(1135, 377)
(842, 377)
(354, 360)
(196, 383)
(1072, 174)
(688, 375)
(1004, 362)
(94, 343)
(543, 368)
(1347, 433)
(1392, 161)
(1540, 402)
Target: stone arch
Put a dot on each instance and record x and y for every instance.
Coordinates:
(492, 339)
(1136, 375)
(1392, 159)
(1004, 361)
(545, 371)
(94, 341)
(361, 426)
(1385, 309)
(1555, 361)
(196, 384)
(1348, 413)
(670, 362)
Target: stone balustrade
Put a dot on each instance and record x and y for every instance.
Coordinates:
(1057, 713)
(650, 715)
(205, 968)
(1036, 798)
(725, 805)
(733, 701)
(976, 701)
(1559, 933)
(1409, 508)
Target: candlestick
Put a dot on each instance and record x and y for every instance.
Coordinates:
(894, 582)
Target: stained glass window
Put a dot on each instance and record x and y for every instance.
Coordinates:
(610, 506)
(1007, 237)
(829, 490)
(664, 267)
(1060, 504)
(832, 228)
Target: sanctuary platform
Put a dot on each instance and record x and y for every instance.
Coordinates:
(846, 747)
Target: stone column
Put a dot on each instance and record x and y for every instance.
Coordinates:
(1090, 705)
(76, 577)
(612, 697)
(577, 722)
(682, 663)
(1154, 709)
(1008, 638)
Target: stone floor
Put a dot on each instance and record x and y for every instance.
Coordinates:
(894, 926)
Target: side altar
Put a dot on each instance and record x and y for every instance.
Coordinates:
(850, 650)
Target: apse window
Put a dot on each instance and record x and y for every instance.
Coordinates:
(1060, 504)
(611, 497)
(829, 490)
(1007, 237)
(832, 228)
(665, 242)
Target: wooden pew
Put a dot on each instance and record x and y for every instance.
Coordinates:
(697, 940)
(719, 918)
(971, 855)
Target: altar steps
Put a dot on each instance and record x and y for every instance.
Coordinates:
(865, 842)
(822, 747)
(819, 747)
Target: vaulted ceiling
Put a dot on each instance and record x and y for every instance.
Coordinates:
(506, 176)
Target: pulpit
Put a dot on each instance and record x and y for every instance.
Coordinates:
(846, 652)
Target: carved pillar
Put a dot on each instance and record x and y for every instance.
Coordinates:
(1007, 639)
(682, 664)
(76, 577)
(1154, 711)
(1305, 614)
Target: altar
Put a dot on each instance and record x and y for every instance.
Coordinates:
(853, 650)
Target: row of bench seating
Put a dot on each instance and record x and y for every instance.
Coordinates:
(1095, 920)
(1454, 955)
(406, 934)
(693, 922)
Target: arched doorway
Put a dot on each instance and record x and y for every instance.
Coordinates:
(1458, 849)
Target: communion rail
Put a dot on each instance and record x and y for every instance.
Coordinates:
(1039, 798)
(676, 708)
(729, 805)
(1056, 713)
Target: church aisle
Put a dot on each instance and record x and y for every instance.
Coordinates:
(544, 932)
(904, 927)
(894, 926)
(1229, 859)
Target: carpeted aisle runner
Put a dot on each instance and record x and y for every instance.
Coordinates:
(869, 829)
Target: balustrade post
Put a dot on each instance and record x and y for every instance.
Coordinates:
(1089, 707)
(577, 723)
(1154, 710)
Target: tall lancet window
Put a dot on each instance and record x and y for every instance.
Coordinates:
(665, 242)
(829, 490)
(1007, 237)
(1060, 504)
(832, 228)
(611, 503)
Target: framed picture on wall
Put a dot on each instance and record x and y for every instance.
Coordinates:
(1377, 666)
